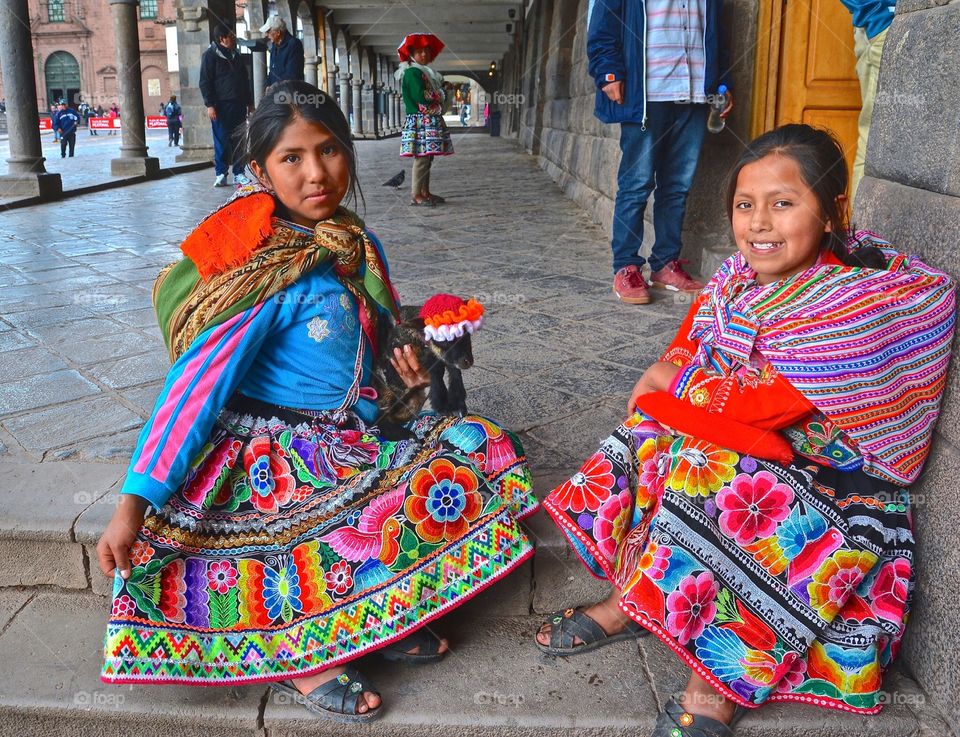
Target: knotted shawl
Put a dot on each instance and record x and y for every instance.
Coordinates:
(868, 347)
(241, 255)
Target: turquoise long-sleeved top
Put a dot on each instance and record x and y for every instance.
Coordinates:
(302, 348)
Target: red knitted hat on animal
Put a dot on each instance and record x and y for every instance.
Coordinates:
(447, 316)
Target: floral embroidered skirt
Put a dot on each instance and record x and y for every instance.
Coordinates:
(425, 135)
(299, 542)
(772, 583)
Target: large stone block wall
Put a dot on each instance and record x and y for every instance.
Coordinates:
(582, 155)
(910, 194)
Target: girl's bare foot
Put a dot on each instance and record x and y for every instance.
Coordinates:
(309, 683)
(372, 701)
(606, 613)
(700, 699)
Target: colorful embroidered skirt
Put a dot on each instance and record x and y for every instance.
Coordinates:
(300, 542)
(425, 135)
(772, 583)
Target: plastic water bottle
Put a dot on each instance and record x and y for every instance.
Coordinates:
(715, 123)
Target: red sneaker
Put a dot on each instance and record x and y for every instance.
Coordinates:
(630, 286)
(673, 277)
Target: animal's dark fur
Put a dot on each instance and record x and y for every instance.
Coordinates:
(398, 405)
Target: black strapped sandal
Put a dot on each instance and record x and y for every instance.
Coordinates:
(429, 643)
(569, 624)
(337, 699)
(674, 721)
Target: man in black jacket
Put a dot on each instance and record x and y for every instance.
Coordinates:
(226, 93)
(286, 52)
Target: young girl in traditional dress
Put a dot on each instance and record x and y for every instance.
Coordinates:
(425, 134)
(752, 511)
(285, 538)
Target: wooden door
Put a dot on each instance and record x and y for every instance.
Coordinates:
(806, 69)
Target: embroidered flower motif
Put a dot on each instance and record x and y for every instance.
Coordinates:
(212, 466)
(793, 677)
(752, 506)
(281, 592)
(443, 501)
(588, 488)
(318, 329)
(653, 460)
(837, 579)
(692, 607)
(141, 552)
(221, 576)
(655, 560)
(269, 473)
(700, 397)
(612, 523)
(699, 467)
(890, 589)
(339, 578)
(123, 606)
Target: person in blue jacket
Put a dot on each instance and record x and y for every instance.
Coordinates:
(656, 64)
(286, 52)
(66, 124)
(871, 20)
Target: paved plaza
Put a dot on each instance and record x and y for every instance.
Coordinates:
(81, 362)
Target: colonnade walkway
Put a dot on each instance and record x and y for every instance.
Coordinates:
(81, 361)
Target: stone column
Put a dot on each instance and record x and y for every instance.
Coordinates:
(398, 106)
(26, 175)
(369, 116)
(332, 80)
(193, 38)
(259, 68)
(358, 107)
(310, 71)
(345, 95)
(133, 159)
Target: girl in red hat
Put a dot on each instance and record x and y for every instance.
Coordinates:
(425, 135)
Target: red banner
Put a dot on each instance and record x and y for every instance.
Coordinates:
(105, 123)
(156, 121)
(46, 124)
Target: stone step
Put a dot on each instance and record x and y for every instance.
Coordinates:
(494, 682)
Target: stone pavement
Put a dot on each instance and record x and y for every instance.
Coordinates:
(90, 165)
(81, 362)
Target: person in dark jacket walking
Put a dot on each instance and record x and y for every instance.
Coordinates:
(286, 52)
(172, 112)
(66, 122)
(226, 93)
(656, 65)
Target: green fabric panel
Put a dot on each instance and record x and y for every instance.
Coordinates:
(413, 90)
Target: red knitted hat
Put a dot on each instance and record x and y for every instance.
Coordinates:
(447, 316)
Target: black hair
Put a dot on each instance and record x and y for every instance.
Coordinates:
(823, 168)
(222, 30)
(285, 102)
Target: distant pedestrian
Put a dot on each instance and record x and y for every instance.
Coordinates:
(425, 135)
(67, 122)
(226, 93)
(172, 111)
(113, 113)
(54, 112)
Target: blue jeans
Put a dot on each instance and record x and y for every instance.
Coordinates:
(662, 156)
(230, 116)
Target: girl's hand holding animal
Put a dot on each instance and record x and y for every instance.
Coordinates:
(113, 550)
(657, 378)
(407, 366)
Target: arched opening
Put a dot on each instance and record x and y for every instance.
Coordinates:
(306, 32)
(466, 99)
(62, 76)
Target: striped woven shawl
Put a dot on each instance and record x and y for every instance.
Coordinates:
(869, 348)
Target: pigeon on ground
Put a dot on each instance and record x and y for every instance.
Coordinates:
(396, 181)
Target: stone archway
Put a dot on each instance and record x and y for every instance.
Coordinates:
(61, 73)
